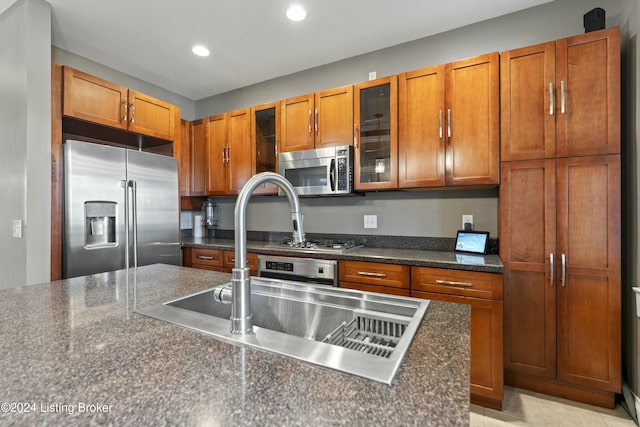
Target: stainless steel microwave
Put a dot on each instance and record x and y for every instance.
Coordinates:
(321, 171)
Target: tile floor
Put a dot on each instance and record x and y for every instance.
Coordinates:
(527, 408)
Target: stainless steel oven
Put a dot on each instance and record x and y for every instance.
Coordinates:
(310, 270)
(321, 171)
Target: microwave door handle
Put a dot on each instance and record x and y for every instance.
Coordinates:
(332, 175)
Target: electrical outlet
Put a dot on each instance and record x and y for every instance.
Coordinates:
(17, 228)
(467, 219)
(371, 221)
(372, 75)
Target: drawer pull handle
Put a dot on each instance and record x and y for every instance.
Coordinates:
(449, 283)
(205, 257)
(366, 273)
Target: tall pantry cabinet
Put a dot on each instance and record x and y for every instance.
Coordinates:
(560, 216)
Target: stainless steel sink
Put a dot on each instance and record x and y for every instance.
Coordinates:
(362, 333)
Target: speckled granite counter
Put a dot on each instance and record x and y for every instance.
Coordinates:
(74, 353)
(417, 257)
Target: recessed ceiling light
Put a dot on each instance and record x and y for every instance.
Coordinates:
(296, 13)
(200, 50)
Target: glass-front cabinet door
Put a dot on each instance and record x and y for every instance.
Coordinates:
(376, 134)
(265, 131)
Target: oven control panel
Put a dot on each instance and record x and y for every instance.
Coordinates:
(310, 270)
(278, 266)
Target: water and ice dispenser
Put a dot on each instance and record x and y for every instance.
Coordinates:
(100, 224)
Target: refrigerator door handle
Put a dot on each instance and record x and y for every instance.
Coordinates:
(125, 184)
(134, 210)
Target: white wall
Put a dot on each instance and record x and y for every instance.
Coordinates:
(630, 26)
(25, 142)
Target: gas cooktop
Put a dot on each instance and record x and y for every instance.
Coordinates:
(319, 245)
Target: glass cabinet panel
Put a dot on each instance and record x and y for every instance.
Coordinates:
(265, 131)
(376, 144)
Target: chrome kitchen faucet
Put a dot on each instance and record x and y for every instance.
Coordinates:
(241, 322)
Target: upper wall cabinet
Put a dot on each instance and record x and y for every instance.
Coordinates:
(228, 152)
(449, 124)
(95, 100)
(562, 98)
(472, 121)
(421, 130)
(323, 119)
(265, 133)
(376, 134)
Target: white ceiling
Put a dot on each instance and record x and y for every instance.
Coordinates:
(250, 40)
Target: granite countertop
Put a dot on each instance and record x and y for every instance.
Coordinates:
(74, 353)
(414, 257)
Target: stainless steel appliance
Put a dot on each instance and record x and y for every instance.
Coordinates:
(322, 171)
(309, 270)
(319, 245)
(121, 209)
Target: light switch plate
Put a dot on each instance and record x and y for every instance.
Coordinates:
(17, 228)
(371, 221)
(372, 75)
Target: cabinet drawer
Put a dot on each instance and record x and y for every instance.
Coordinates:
(372, 273)
(230, 260)
(455, 282)
(374, 288)
(210, 257)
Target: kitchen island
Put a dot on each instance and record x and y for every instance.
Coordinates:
(74, 353)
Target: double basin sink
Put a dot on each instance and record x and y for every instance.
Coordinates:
(361, 333)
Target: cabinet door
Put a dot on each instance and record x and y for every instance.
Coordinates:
(589, 337)
(297, 124)
(376, 148)
(265, 132)
(528, 129)
(184, 159)
(487, 378)
(200, 134)
(239, 149)
(333, 117)
(527, 243)
(95, 100)
(421, 133)
(588, 100)
(472, 121)
(217, 156)
(150, 116)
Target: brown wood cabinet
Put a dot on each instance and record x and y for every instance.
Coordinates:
(422, 128)
(483, 292)
(199, 135)
(376, 134)
(560, 217)
(216, 260)
(449, 124)
(560, 245)
(472, 121)
(265, 134)
(375, 277)
(92, 99)
(562, 98)
(323, 119)
(184, 164)
(228, 152)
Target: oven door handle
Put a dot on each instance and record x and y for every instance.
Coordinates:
(332, 175)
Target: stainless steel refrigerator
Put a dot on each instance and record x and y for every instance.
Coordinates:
(121, 209)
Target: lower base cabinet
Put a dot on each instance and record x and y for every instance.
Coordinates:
(483, 292)
(375, 277)
(216, 260)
